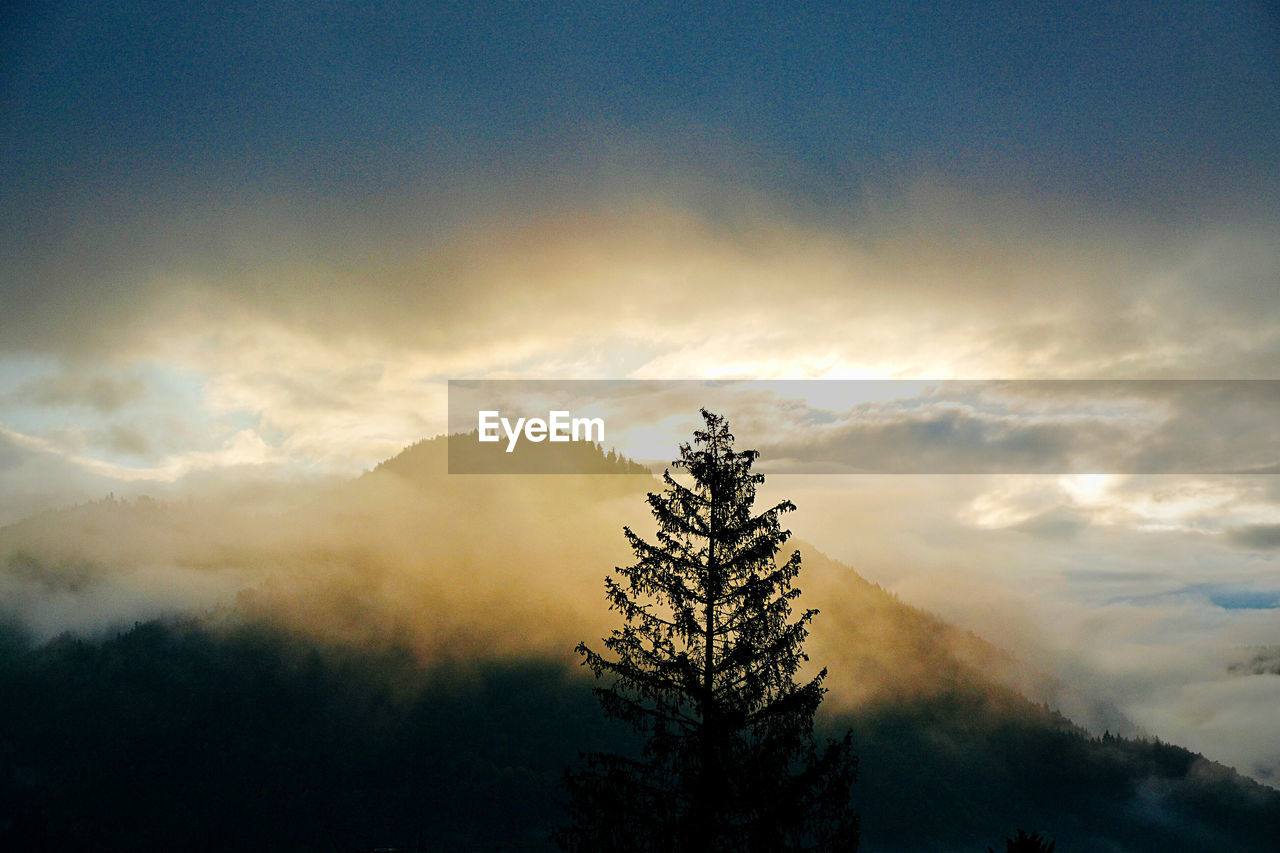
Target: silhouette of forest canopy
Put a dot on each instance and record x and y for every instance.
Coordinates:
(233, 735)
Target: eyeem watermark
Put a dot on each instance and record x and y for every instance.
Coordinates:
(1103, 426)
(558, 426)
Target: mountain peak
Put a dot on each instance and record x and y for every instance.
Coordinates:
(463, 453)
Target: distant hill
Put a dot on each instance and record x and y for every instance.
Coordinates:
(466, 454)
(392, 659)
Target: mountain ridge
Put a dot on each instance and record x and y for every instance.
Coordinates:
(467, 573)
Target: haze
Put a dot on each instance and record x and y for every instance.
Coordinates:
(242, 253)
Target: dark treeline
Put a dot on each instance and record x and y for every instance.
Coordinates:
(173, 736)
(199, 736)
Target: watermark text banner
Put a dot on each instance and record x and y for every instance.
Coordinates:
(874, 426)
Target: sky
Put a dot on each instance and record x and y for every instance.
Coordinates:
(249, 244)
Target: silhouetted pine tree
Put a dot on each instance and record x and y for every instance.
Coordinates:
(1024, 843)
(705, 667)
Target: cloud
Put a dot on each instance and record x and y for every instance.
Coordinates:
(332, 330)
(1017, 427)
(1058, 523)
(1264, 661)
(1260, 537)
(37, 474)
(103, 393)
(294, 341)
(127, 440)
(35, 477)
(1122, 613)
(942, 287)
(222, 330)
